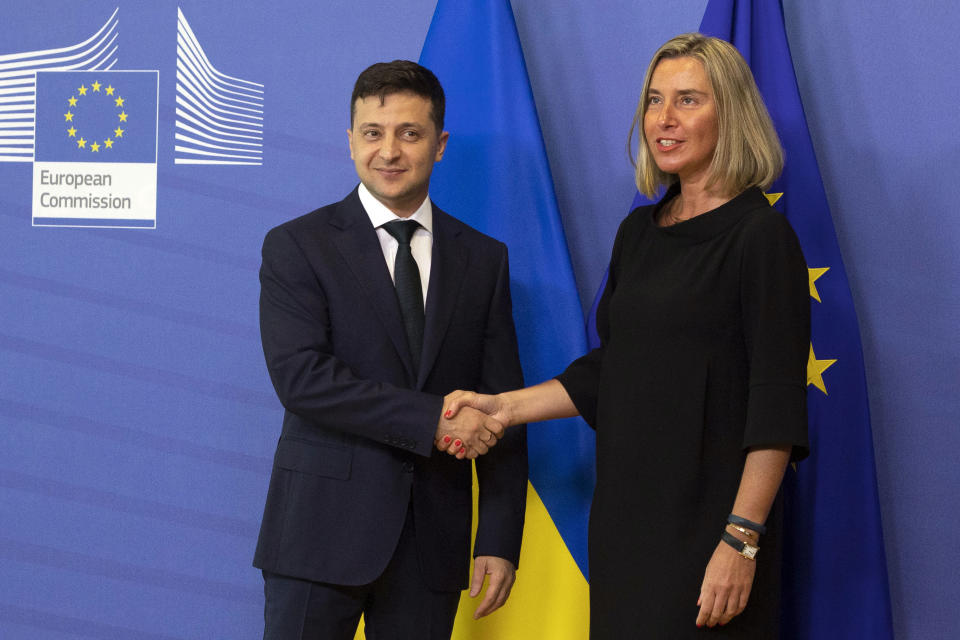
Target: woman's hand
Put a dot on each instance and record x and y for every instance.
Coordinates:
(729, 576)
(545, 401)
(726, 586)
(492, 405)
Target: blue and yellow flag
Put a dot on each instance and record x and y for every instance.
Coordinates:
(835, 572)
(495, 177)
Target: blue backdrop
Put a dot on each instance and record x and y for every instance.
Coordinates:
(136, 417)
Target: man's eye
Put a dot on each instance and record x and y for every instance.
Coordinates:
(411, 135)
(371, 134)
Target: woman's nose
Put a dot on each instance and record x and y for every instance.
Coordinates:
(665, 115)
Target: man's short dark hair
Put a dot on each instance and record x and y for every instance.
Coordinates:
(400, 76)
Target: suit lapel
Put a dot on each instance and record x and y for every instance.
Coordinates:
(447, 269)
(359, 247)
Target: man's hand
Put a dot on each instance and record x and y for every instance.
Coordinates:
(469, 434)
(502, 576)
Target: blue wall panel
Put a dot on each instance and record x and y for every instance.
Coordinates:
(136, 418)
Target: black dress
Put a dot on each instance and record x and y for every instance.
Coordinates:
(705, 330)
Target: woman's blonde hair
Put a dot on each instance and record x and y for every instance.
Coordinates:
(748, 150)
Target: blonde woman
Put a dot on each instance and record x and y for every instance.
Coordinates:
(697, 392)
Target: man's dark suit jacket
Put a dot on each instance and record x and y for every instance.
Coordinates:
(357, 443)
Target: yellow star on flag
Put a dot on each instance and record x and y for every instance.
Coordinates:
(82, 90)
(109, 90)
(118, 132)
(123, 116)
(72, 101)
(95, 147)
(96, 86)
(81, 143)
(72, 132)
(773, 197)
(108, 143)
(119, 102)
(69, 116)
(814, 275)
(815, 369)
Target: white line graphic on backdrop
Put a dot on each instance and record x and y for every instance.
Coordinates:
(18, 85)
(219, 117)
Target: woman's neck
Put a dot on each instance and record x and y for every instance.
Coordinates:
(694, 199)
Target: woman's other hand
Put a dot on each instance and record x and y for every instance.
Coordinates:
(726, 586)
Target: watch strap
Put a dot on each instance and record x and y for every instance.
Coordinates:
(745, 549)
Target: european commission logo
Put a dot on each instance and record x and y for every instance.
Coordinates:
(90, 130)
(95, 162)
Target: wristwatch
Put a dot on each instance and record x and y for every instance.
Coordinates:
(745, 549)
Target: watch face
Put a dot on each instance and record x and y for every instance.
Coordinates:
(750, 551)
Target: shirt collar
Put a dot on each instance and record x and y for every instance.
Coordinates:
(379, 214)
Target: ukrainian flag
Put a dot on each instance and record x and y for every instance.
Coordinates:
(495, 177)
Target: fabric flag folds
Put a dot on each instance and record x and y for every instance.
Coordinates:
(495, 177)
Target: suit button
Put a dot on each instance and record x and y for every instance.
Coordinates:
(407, 467)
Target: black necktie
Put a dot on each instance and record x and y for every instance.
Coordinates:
(406, 277)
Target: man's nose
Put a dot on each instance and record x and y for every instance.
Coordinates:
(389, 147)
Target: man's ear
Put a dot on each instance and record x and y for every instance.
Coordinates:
(441, 145)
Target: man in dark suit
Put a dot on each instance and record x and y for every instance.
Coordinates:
(363, 513)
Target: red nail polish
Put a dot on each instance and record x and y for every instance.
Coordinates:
(457, 443)
(448, 413)
(446, 439)
(462, 449)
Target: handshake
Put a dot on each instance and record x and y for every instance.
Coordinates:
(471, 424)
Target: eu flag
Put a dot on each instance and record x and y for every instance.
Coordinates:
(835, 573)
(495, 177)
(96, 116)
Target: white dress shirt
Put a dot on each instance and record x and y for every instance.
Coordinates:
(421, 244)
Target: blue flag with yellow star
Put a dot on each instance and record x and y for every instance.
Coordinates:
(835, 572)
(96, 116)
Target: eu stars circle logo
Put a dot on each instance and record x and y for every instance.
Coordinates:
(95, 97)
